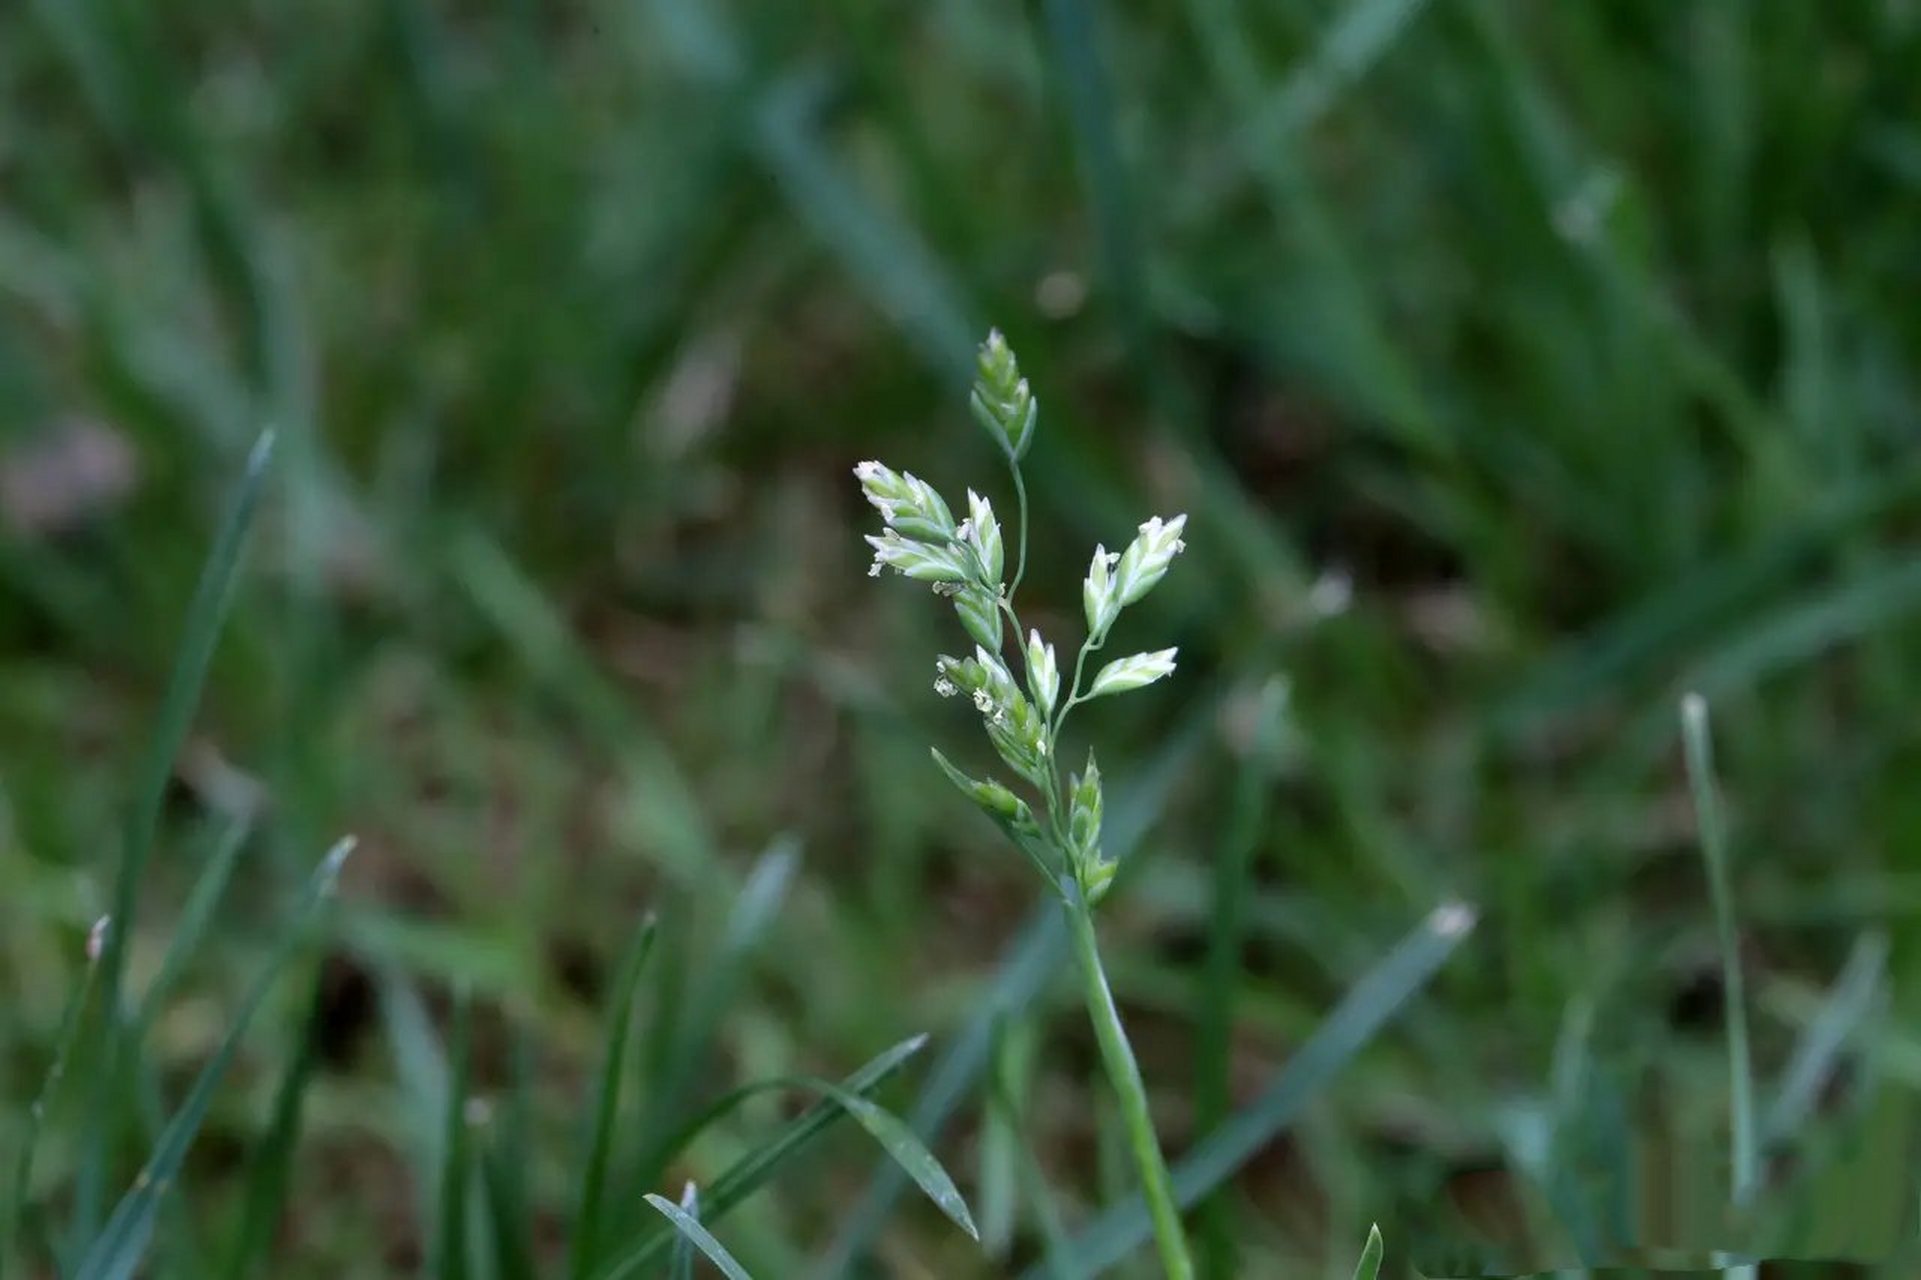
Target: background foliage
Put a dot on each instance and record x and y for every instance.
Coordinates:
(1571, 347)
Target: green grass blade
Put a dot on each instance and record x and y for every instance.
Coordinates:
(1698, 744)
(606, 1108)
(697, 41)
(724, 1105)
(1128, 1090)
(1660, 630)
(1352, 44)
(18, 1193)
(422, 1074)
(1369, 1267)
(1363, 1011)
(194, 917)
(1353, 344)
(272, 1163)
(998, 1169)
(1035, 956)
(1818, 1051)
(748, 1174)
(752, 914)
(208, 610)
(690, 1229)
(1797, 634)
(915, 1160)
(530, 626)
(205, 614)
(507, 1215)
(1075, 45)
(449, 1260)
(882, 254)
(505, 1171)
(1008, 1155)
(682, 1265)
(1249, 806)
(117, 1252)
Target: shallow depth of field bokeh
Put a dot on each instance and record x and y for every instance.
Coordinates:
(1520, 367)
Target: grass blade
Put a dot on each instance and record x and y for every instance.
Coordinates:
(1351, 45)
(1127, 1089)
(117, 1252)
(752, 914)
(194, 916)
(267, 1178)
(205, 614)
(1008, 1156)
(450, 1229)
(884, 257)
(1249, 806)
(682, 1266)
(1802, 631)
(600, 1142)
(1361, 1014)
(507, 1216)
(915, 1160)
(1662, 628)
(1818, 1051)
(424, 1078)
(1075, 45)
(530, 626)
(504, 1169)
(1698, 744)
(71, 1021)
(998, 1171)
(211, 599)
(690, 1229)
(1369, 1267)
(749, 1173)
(684, 1136)
(1034, 957)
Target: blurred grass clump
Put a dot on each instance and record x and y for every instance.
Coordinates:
(1521, 368)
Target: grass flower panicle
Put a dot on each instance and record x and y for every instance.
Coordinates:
(1061, 833)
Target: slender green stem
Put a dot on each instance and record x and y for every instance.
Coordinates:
(71, 1021)
(1233, 867)
(1698, 746)
(1117, 1055)
(1074, 698)
(1020, 499)
(1007, 607)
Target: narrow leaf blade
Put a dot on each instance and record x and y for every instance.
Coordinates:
(205, 896)
(908, 1152)
(117, 1252)
(1033, 958)
(682, 1267)
(450, 1230)
(600, 1142)
(1820, 1048)
(1356, 1020)
(71, 1022)
(1369, 1267)
(273, 1160)
(749, 1173)
(200, 632)
(690, 1229)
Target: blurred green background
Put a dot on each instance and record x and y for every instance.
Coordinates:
(1520, 366)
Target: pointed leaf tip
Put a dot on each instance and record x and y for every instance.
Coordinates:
(328, 874)
(262, 451)
(689, 1227)
(1369, 1267)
